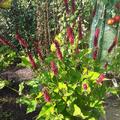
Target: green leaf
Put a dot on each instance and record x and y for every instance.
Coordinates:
(61, 85)
(32, 106)
(25, 61)
(92, 118)
(3, 83)
(78, 112)
(46, 110)
(21, 87)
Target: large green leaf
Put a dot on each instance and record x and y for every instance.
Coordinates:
(77, 112)
(46, 110)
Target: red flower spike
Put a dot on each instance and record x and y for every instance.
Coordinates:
(95, 54)
(85, 86)
(46, 96)
(59, 54)
(97, 31)
(100, 79)
(56, 44)
(66, 6)
(70, 35)
(58, 51)
(80, 35)
(113, 44)
(73, 6)
(54, 68)
(32, 60)
(21, 40)
(6, 42)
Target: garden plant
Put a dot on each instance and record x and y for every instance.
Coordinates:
(70, 47)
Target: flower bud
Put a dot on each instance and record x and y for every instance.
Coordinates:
(85, 86)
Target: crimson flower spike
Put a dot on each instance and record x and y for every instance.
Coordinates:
(32, 60)
(70, 35)
(97, 31)
(21, 40)
(59, 54)
(73, 6)
(66, 6)
(6, 42)
(46, 96)
(95, 52)
(80, 35)
(56, 44)
(113, 44)
(54, 68)
(58, 51)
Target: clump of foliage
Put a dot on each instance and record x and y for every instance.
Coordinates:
(69, 83)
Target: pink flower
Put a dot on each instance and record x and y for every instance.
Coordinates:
(113, 44)
(97, 31)
(21, 40)
(85, 86)
(32, 60)
(70, 35)
(54, 68)
(66, 6)
(46, 96)
(100, 79)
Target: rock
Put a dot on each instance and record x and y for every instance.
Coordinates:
(17, 75)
